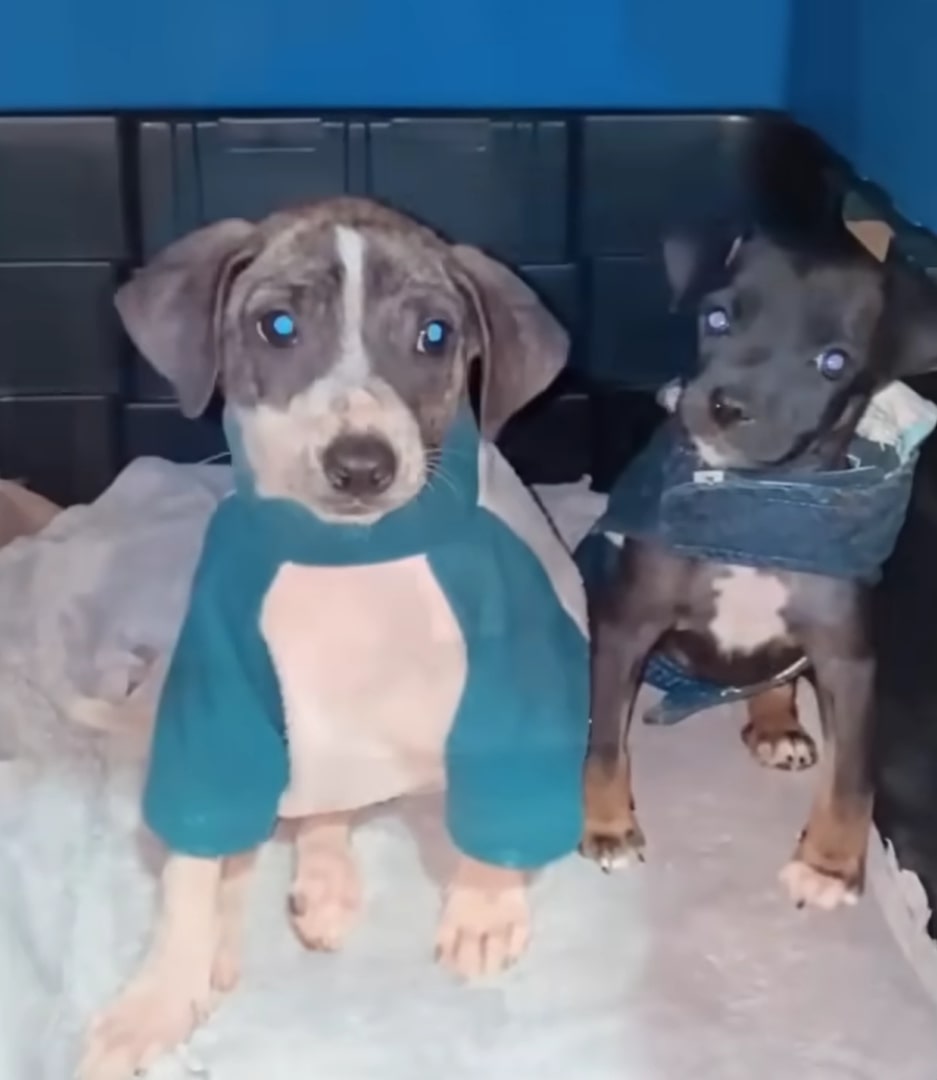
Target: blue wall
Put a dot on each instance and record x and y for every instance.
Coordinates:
(823, 69)
(862, 72)
(98, 54)
(896, 138)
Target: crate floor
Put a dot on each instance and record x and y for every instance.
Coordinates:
(692, 965)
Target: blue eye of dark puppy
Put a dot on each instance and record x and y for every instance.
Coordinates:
(832, 363)
(717, 321)
(277, 328)
(433, 337)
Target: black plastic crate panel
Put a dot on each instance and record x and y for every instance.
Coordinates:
(60, 189)
(559, 288)
(634, 338)
(638, 175)
(154, 429)
(638, 172)
(622, 422)
(59, 329)
(195, 173)
(551, 441)
(498, 183)
(501, 184)
(63, 447)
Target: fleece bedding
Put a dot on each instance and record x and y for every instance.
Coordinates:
(693, 965)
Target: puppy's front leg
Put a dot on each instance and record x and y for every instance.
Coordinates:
(828, 867)
(626, 624)
(485, 924)
(325, 897)
(232, 901)
(172, 992)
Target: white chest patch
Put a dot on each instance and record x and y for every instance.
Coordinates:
(749, 610)
(371, 664)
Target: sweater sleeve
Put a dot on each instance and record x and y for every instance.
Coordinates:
(516, 750)
(218, 761)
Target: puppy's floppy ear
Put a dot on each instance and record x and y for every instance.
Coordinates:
(171, 308)
(698, 260)
(523, 348)
(910, 321)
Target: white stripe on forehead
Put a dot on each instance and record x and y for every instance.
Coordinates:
(353, 364)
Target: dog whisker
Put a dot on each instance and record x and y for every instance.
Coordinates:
(457, 452)
(437, 472)
(444, 480)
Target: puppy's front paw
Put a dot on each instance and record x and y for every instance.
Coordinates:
(152, 1016)
(613, 847)
(827, 870)
(326, 898)
(791, 750)
(807, 885)
(485, 924)
(612, 836)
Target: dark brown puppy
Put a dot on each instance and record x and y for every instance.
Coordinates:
(770, 317)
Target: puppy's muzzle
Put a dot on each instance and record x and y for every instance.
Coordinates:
(359, 465)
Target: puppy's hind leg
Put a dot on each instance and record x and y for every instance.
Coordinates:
(172, 993)
(774, 734)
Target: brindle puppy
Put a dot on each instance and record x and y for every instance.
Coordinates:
(342, 334)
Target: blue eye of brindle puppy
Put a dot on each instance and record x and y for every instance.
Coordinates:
(433, 338)
(278, 328)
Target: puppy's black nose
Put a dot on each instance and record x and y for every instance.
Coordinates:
(359, 464)
(724, 408)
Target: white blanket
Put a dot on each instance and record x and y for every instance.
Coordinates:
(691, 966)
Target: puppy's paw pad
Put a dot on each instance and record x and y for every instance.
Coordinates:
(143, 1024)
(790, 750)
(611, 849)
(808, 886)
(325, 899)
(482, 932)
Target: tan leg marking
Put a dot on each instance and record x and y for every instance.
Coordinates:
(613, 837)
(828, 867)
(774, 734)
(172, 992)
(485, 924)
(326, 896)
